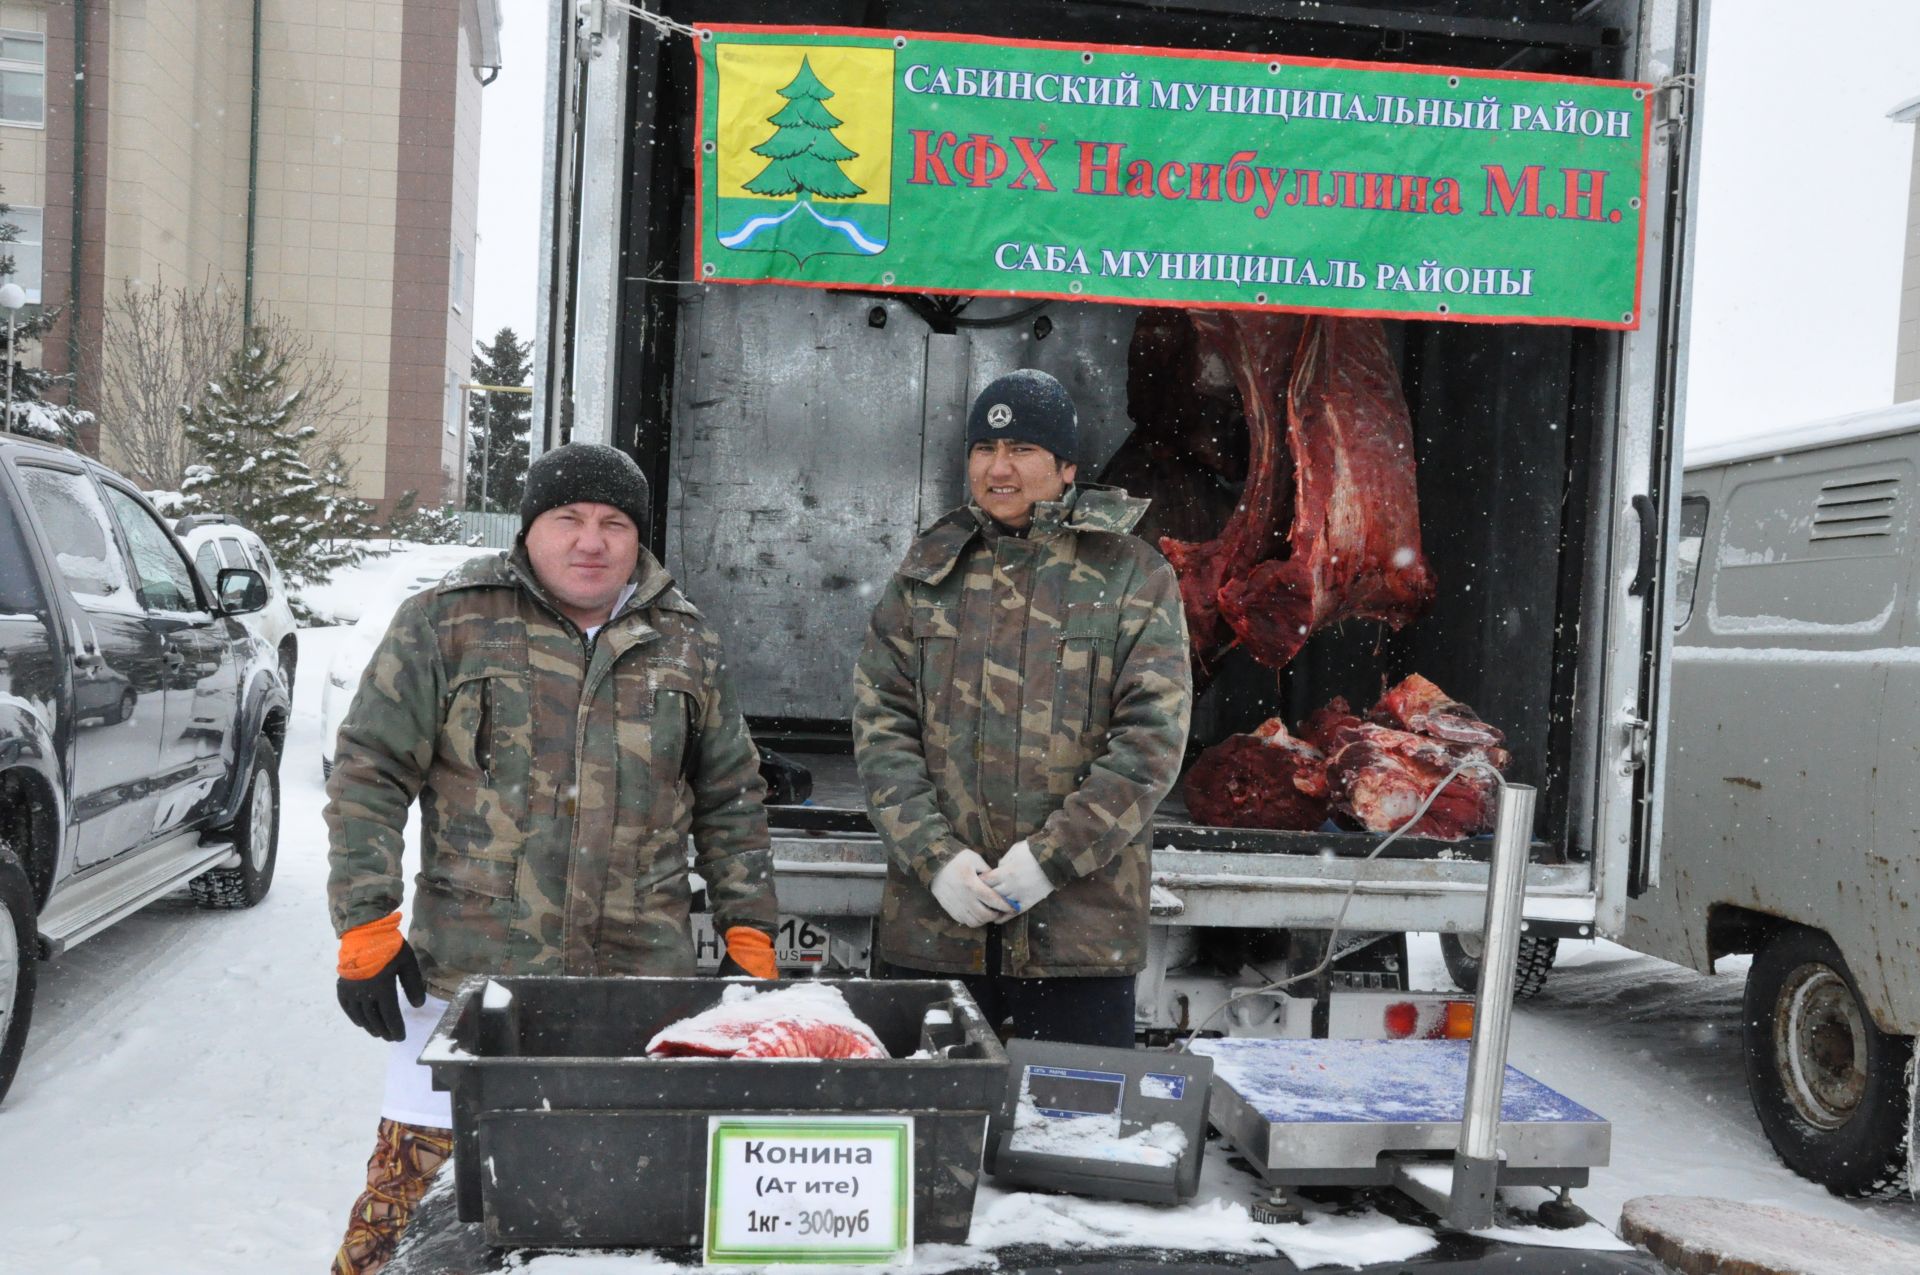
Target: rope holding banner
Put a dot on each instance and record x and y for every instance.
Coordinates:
(659, 22)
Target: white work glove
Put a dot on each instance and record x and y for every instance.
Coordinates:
(1018, 879)
(960, 889)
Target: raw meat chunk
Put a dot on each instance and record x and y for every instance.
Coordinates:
(803, 1020)
(1266, 779)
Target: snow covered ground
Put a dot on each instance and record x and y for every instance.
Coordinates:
(192, 1099)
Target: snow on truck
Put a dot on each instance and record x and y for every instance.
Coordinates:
(801, 435)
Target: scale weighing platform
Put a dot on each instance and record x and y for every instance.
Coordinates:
(1365, 1113)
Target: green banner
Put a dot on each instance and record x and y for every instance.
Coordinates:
(891, 161)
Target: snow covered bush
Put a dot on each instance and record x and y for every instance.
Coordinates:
(426, 526)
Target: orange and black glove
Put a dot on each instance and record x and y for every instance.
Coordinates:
(749, 954)
(374, 959)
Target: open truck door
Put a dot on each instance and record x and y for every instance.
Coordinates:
(1638, 654)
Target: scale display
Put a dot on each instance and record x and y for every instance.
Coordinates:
(1066, 1092)
(1126, 1124)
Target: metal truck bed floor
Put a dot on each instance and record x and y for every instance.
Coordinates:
(1342, 1112)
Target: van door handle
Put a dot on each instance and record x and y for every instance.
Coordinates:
(1649, 527)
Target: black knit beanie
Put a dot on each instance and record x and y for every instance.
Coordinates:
(1027, 406)
(590, 472)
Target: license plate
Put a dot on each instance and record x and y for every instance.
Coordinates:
(796, 944)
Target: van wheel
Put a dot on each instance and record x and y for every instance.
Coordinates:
(256, 838)
(1532, 963)
(1830, 1088)
(19, 968)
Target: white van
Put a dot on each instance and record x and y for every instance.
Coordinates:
(1792, 820)
(218, 540)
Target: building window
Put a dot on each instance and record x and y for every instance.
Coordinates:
(459, 288)
(25, 249)
(453, 404)
(23, 78)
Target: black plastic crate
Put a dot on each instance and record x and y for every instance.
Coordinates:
(565, 1133)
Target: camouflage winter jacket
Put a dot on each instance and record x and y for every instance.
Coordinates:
(1024, 687)
(557, 782)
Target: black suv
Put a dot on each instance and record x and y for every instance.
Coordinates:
(140, 722)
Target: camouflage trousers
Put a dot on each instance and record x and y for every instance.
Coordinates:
(404, 1161)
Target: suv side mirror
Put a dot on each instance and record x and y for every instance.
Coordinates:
(241, 590)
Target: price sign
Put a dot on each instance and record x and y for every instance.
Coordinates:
(809, 1189)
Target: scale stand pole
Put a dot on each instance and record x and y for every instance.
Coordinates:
(1476, 1164)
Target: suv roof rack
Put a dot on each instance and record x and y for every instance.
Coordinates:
(193, 521)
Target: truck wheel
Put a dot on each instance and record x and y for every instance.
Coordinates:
(18, 964)
(1531, 964)
(1830, 1088)
(256, 838)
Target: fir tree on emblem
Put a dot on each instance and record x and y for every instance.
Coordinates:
(803, 155)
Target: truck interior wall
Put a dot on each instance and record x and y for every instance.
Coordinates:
(1503, 416)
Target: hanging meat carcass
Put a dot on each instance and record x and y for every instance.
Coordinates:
(1187, 453)
(1266, 779)
(1343, 488)
(1354, 548)
(1258, 349)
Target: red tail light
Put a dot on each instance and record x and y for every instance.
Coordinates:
(1401, 1019)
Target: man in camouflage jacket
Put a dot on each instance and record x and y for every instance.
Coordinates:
(1020, 711)
(563, 715)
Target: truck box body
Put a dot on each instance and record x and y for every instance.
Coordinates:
(800, 437)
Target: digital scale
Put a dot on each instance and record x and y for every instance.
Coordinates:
(1386, 1113)
(1126, 1124)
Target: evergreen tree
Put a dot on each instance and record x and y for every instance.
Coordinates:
(499, 425)
(347, 517)
(253, 463)
(33, 414)
(803, 155)
(440, 526)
